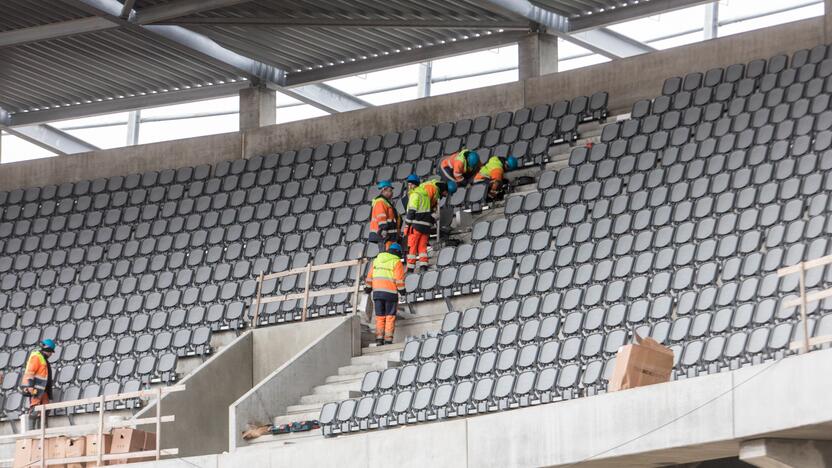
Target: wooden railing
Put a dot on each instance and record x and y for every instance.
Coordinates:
(101, 427)
(808, 342)
(308, 294)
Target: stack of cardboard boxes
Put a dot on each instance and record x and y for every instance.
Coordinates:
(123, 440)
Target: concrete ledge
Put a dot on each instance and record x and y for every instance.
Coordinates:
(679, 422)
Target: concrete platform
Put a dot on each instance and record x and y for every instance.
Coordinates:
(679, 422)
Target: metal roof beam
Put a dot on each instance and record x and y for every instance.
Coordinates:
(630, 12)
(52, 139)
(608, 43)
(325, 97)
(352, 23)
(553, 22)
(417, 55)
(169, 11)
(127, 104)
(54, 30)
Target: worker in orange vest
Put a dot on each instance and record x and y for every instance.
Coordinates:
(419, 218)
(493, 173)
(384, 221)
(37, 379)
(385, 281)
(460, 167)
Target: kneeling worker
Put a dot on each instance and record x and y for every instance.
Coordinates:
(459, 167)
(37, 379)
(493, 173)
(385, 281)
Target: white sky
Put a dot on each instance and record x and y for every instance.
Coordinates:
(113, 133)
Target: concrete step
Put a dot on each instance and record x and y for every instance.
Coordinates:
(297, 417)
(304, 408)
(372, 349)
(290, 438)
(328, 397)
(364, 368)
(351, 385)
(390, 356)
(344, 378)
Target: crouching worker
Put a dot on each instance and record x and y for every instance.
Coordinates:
(493, 173)
(420, 220)
(385, 281)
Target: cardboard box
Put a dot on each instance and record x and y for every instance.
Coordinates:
(55, 449)
(75, 447)
(92, 447)
(126, 440)
(645, 362)
(23, 452)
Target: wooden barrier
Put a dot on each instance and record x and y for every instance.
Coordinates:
(307, 293)
(101, 428)
(800, 269)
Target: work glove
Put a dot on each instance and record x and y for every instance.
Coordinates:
(367, 290)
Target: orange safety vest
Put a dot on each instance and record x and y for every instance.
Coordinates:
(384, 220)
(386, 274)
(455, 166)
(36, 376)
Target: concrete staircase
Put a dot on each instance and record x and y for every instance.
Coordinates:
(341, 386)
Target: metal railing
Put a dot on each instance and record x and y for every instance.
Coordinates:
(101, 427)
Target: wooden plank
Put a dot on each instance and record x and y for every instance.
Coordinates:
(83, 429)
(818, 340)
(110, 456)
(806, 266)
(322, 292)
(306, 283)
(811, 297)
(256, 318)
(116, 397)
(297, 271)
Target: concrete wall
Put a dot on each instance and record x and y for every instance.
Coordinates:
(275, 346)
(678, 422)
(295, 378)
(201, 425)
(626, 80)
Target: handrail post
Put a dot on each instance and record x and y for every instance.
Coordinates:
(308, 282)
(42, 437)
(360, 262)
(100, 452)
(256, 320)
(159, 421)
(803, 307)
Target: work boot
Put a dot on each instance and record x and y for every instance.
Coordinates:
(424, 268)
(379, 341)
(390, 341)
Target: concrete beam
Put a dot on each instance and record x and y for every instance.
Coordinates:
(787, 453)
(608, 43)
(325, 97)
(258, 107)
(134, 120)
(827, 19)
(537, 55)
(52, 139)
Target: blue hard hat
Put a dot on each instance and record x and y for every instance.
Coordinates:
(395, 248)
(473, 159)
(451, 187)
(413, 179)
(384, 184)
(48, 344)
(511, 163)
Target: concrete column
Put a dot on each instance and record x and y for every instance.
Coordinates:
(827, 19)
(537, 55)
(711, 28)
(425, 76)
(258, 107)
(787, 453)
(133, 125)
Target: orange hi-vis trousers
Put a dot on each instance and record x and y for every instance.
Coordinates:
(386, 327)
(417, 249)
